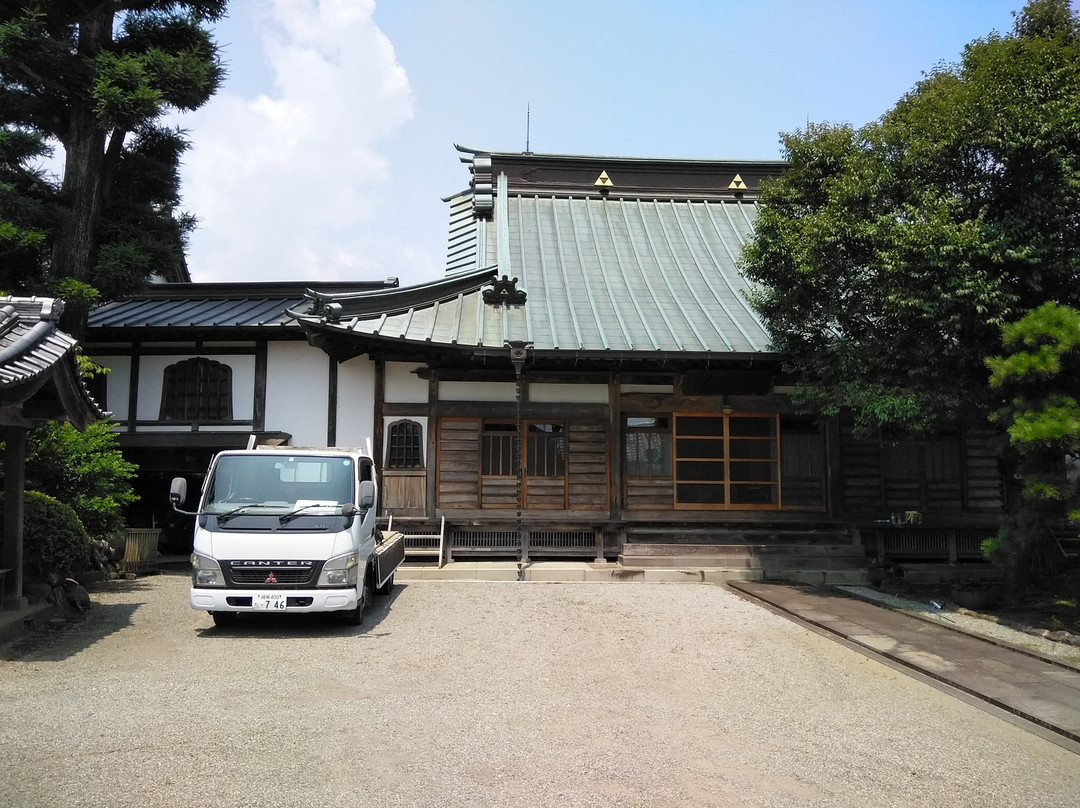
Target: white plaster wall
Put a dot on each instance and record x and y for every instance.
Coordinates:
(297, 391)
(152, 377)
(117, 382)
(477, 391)
(569, 393)
(403, 386)
(356, 402)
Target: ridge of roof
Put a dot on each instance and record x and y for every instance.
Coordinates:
(333, 307)
(607, 158)
(248, 289)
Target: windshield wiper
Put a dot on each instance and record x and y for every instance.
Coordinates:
(348, 509)
(224, 517)
(288, 517)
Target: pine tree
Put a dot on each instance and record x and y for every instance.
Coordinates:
(94, 79)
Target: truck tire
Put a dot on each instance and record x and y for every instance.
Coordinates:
(223, 619)
(386, 587)
(356, 616)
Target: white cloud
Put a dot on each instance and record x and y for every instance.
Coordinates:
(285, 183)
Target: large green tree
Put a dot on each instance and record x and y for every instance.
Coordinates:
(888, 257)
(94, 79)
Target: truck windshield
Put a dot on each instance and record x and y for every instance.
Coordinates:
(279, 481)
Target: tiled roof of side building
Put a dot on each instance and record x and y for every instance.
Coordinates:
(217, 305)
(39, 375)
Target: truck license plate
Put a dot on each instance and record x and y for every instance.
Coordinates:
(276, 602)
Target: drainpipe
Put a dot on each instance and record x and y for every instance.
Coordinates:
(519, 352)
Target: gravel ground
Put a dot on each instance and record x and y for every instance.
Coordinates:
(970, 623)
(492, 694)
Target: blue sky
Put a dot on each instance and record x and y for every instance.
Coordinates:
(327, 153)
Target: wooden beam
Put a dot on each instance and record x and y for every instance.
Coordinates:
(432, 459)
(14, 491)
(378, 439)
(258, 407)
(331, 401)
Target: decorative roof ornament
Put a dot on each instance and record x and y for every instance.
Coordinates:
(483, 187)
(504, 292)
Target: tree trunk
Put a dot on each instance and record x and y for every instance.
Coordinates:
(84, 159)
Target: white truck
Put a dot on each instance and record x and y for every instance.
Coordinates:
(288, 529)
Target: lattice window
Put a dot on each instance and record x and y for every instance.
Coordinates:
(727, 461)
(197, 390)
(648, 447)
(405, 446)
(545, 451)
(499, 447)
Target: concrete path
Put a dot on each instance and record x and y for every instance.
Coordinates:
(1019, 682)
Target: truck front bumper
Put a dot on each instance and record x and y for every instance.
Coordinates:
(292, 600)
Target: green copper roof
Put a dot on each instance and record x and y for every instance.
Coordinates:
(604, 269)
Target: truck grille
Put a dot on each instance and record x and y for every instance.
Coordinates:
(271, 576)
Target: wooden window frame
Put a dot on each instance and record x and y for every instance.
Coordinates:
(714, 468)
(405, 445)
(196, 390)
(663, 445)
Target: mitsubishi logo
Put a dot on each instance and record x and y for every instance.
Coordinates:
(270, 579)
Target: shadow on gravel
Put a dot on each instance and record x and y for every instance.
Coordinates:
(283, 626)
(57, 642)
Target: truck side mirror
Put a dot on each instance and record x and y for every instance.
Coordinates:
(178, 492)
(367, 494)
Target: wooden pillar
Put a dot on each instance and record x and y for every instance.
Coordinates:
(615, 462)
(258, 405)
(14, 488)
(378, 426)
(431, 499)
(331, 401)
(133, 389)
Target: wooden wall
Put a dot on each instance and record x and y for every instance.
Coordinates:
(944, 479)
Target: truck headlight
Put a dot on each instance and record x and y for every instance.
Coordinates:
(340, 571)
(205, 571)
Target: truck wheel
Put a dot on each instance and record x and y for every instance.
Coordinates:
(224, 618)
(386, 587)
(355, 617)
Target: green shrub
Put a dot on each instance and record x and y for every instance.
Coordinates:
(85, 469)
(54, 540)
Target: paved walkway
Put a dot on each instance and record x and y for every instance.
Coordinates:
(1014, 680)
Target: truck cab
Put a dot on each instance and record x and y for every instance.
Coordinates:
(288, 530)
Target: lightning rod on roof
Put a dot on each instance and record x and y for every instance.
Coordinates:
(528, 122)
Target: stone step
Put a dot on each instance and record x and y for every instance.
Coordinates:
(648, 549)
(746, 556)
(684, 534)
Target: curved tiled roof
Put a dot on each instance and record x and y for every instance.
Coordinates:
(604, 271)
(39, 376)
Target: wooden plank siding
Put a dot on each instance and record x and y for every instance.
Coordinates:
(826, 474)
(583, 487)
(803, 474)
(587, 466)
(945, 478)
(459, 463)
(982, 470)
(403, 492)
